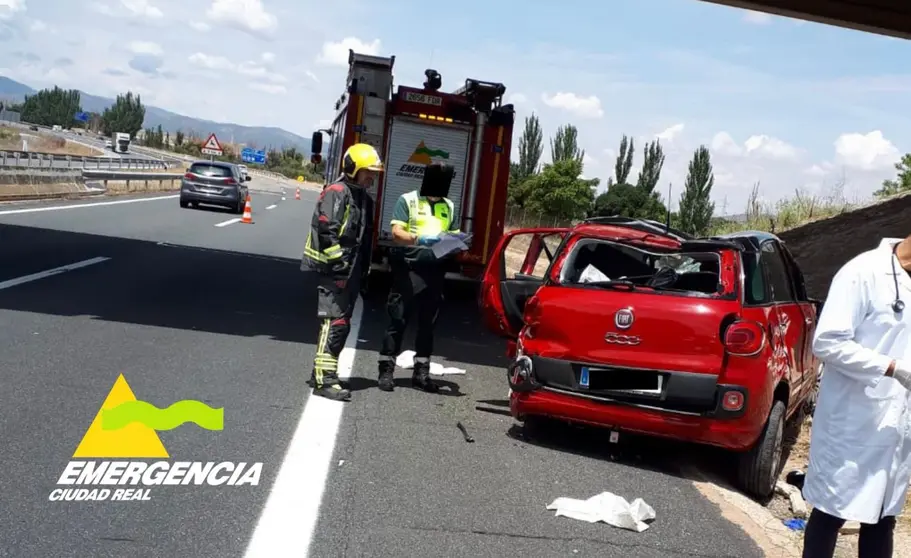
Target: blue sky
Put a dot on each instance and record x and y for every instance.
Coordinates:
(789, 104)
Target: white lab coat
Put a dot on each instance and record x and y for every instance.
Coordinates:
(860, 443)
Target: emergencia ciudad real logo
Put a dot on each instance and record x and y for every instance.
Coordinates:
(124, 430)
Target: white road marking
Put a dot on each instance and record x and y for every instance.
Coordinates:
(50, 272)
(228, 222)
(273, 206)
(288, 520)
(81, 205)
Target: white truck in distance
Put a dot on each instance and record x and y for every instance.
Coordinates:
(121, 143)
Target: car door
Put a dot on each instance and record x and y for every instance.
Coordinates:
(787, 324)
(808, 307)
(514, 273)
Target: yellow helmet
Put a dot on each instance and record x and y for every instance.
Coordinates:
(361, 156)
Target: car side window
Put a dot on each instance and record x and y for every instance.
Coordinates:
(797, 278)
(778, 278)
(755, 291)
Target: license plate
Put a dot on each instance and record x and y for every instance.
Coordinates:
(585, 382)
(424, 99)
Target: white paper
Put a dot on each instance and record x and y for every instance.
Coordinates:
(606, 507)
(447, 245)
(592, 274)
(406, 362)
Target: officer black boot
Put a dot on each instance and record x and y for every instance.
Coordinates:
(386, 381)
(421, 378)
(334, 392)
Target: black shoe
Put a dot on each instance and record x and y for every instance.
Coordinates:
(334, 392)
(421, 378)
(311, 382)
(386, 381)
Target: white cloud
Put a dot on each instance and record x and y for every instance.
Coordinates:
(336, 53)
(247, 69)
(517, 99)
(585, 107)
(671, 133)
(311, 75)
(246, 15)
(100, 8)
(269, 88)
(9, 8)
(146, 47)
(200, 26)
(37, 26)
(757, 18)
(869, 151)
(268, 57)
(142, 8)
(210, 62)
(759, 145)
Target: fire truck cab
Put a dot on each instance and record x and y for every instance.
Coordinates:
(412, 127)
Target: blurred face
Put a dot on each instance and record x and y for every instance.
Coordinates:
(366, 178)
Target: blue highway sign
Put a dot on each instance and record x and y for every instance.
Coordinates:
(82, 116)
(249, 155)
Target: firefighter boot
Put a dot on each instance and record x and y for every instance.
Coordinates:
(421, 378)
(334, 392)
(386, 381)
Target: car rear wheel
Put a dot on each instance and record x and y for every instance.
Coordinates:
(184, 203)
(760, 467)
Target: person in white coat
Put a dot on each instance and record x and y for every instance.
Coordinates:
(860, 445)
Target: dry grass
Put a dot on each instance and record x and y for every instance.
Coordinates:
(11, 139)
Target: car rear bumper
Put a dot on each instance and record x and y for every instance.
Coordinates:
(229, 198)
(688, 409)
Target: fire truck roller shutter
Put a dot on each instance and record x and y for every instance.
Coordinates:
(412, 145)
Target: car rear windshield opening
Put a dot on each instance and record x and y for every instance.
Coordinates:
(210, 170)
(599, 262)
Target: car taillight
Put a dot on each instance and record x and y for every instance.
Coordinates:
(744, 338)
(188, 176)
(230, 181)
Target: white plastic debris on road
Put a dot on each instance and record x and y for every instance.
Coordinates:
(406, 362)
(606, 507)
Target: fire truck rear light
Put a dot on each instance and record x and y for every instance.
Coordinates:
(732, 401)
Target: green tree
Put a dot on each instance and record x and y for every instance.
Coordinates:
(696, 208)
(50, 107)
(126, 115)
(652, 163)
(627, 200)
(624, 163)
(902, 182)
(560, 191)
(178, 138)
(565, 145)
(531, 147)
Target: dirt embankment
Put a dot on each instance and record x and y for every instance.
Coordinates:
(38, 142)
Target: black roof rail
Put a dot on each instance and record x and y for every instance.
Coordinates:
(644, 225)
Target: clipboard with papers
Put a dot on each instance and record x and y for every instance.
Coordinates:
(451, 243)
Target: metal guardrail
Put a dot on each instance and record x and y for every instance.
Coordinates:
(105, 176)
(32, 160)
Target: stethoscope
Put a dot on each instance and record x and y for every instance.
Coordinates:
(898, 305)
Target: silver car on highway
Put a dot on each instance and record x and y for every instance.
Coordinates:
(214, 183)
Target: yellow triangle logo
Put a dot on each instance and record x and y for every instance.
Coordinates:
(133, 440)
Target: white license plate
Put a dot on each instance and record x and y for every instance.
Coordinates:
(424, 99)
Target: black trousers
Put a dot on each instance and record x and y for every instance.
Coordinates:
(875, 540)
(336, 299)
(415, 289)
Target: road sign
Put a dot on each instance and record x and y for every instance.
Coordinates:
(82, 116)
(212, 147)
(250, 155)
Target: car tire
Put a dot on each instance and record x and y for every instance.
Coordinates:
(184, 204)
(759, 468)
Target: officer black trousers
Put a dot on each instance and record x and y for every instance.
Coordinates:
(875, 540)
(335, 305)
(415, 289)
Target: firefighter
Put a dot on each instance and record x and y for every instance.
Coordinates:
(418, 220)
(338, 250)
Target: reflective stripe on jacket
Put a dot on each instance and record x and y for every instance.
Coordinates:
(341, 216)
(427, 219)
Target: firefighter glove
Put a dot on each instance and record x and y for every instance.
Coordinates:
(428, 240)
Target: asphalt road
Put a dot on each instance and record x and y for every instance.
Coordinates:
(187, 309)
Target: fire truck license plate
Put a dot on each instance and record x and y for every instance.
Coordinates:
(424, 99)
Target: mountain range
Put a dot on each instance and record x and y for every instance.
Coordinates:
(263, 137)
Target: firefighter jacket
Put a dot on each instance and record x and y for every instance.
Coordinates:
(341, 231)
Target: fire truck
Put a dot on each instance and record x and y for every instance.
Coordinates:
(413, 127)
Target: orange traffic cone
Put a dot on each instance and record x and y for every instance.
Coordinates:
(297, 195)
(248, 212)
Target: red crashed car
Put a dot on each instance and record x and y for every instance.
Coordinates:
(630, 325)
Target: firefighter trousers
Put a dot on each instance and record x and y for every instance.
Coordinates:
(335, 305)
(415, 289)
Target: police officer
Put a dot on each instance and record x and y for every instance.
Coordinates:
(338, 250)
(418, 221)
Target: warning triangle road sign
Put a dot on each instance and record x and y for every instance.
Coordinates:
(212, 146)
